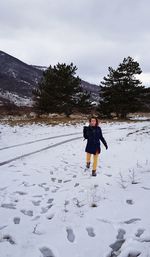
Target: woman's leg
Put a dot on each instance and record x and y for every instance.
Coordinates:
(88, 159)
(95, 161)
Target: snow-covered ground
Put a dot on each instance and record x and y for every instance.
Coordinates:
(50, 206)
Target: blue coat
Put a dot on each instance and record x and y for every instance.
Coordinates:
(93, 134)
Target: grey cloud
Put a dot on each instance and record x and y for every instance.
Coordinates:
(94, 34)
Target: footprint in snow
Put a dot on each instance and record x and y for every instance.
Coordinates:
(121, 233)
(26, 184)
(70, 235)
(8, 205)
(37, 196)
(43, 185)
(46, 252)
(139, 232)
(20, 193)
(2, 188)
(146, 188)
(16, 220)
(50, 216)
(119, 242)
(53, 179)
(50, 200)
(65, 162)
(36, 203)
(76, 184)
(27, 212)
(12, 165)
(131, 221)
(18, 171)
(37, 217)
(130, 201)
(90, 231)
(117, 245)
(45, 209)
(7, 238)
(55, 190)
(68, 180)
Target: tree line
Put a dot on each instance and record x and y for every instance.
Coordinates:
(120, 92)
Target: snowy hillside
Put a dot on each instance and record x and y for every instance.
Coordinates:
(16, 99)
(51, 207)
(18, 79)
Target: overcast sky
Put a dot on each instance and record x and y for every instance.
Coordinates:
(93, 34)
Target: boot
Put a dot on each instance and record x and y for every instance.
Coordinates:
(94, 173)
(88, 165)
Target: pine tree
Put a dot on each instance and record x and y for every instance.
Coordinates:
(120, 91)
(145, 100)
(59, 90)
(84, 104)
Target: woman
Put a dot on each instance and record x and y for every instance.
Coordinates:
(93, 134)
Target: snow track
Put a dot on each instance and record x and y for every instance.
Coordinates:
(38, 140)
(39, 150)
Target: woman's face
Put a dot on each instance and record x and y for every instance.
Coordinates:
(93, 122)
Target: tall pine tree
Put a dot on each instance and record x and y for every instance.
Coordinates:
(120, 91)
(60, 91)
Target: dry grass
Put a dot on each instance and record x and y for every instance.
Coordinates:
(40, 120)
(24, 119)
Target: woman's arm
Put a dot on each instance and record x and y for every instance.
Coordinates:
(85, 132)
(103, 139)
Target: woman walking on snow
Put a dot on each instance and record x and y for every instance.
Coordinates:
(93, 134)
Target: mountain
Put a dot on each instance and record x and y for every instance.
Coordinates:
(17, 80)
(91, 88)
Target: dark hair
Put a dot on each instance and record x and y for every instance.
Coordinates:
(94, 119)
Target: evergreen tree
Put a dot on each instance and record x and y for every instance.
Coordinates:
(59, 90)
(120, 91)
(145, 99)
(84, 104)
